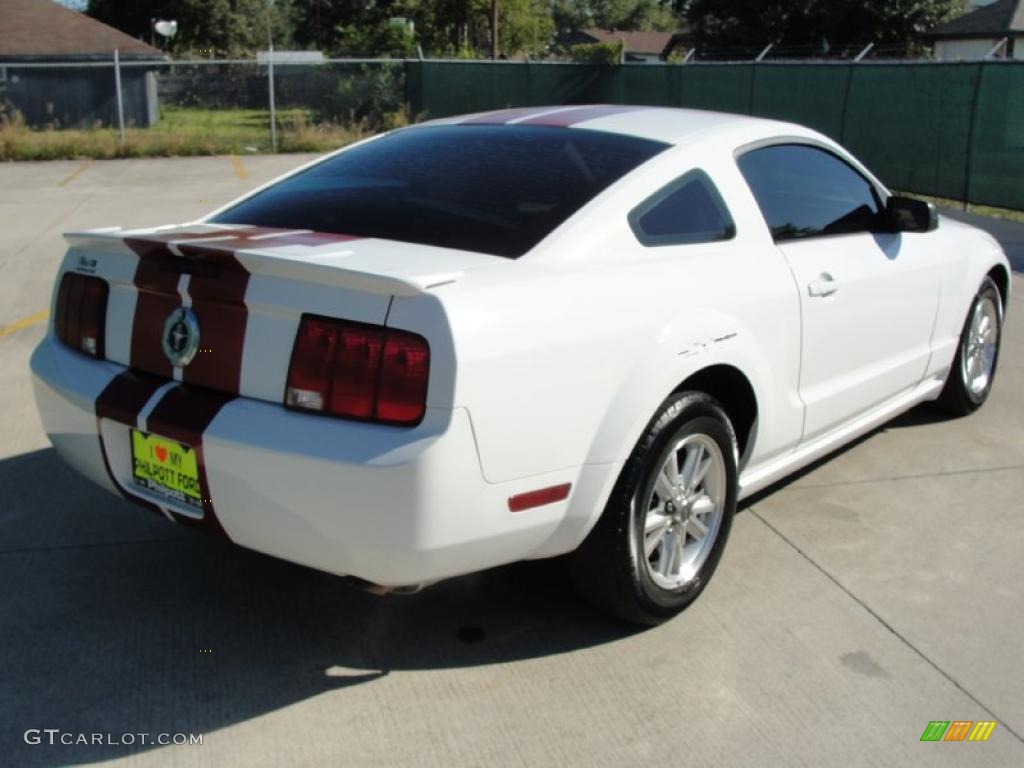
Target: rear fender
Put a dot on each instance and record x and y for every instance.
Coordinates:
(683, 348)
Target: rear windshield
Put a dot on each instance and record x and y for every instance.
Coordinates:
(492, 189)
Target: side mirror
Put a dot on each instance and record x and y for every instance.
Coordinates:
(908, 215)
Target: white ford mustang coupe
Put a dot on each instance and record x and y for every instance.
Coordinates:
(527, 333)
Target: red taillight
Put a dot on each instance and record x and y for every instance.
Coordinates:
(403, 378)
(358, 371)
(82, 313)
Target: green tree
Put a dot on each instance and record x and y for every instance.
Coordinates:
(227, 27)
(384, 38)
(754, 23)
(646, 15)
(318, 24)
(441, 27)
(598, 53)
(524, 26)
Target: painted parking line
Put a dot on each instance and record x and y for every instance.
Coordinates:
(25, 322)
(75, 173)
(239, 168)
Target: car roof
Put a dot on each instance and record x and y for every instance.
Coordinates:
(666, 124)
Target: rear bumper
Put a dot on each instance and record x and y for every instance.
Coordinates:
(390, 505)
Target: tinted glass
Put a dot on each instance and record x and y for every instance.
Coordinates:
(493, 189)
(807, 192)
(689, 210)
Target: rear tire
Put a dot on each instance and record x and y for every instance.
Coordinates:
(663, 530)
(974, 367)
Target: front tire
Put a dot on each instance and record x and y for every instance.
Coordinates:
(663, 530)
(974, 367)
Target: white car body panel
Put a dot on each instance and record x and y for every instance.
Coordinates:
(871, 335)
(544, 370)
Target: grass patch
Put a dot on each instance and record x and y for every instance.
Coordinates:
(179, 131)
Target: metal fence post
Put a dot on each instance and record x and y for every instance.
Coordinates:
(273, 110)
(117, 90)
(844, 117)
(969, 160)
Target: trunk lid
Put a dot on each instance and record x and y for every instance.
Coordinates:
(247, 288)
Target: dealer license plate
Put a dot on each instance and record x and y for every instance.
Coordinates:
(166, 467)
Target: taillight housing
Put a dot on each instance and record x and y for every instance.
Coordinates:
(81, 319)
(358, 371)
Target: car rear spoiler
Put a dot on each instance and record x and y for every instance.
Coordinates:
(340, 266)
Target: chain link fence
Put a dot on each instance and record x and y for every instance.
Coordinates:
(952, 130)
(131, 108)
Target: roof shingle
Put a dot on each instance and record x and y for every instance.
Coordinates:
(636, 42)
(43, 29)
(996, 20)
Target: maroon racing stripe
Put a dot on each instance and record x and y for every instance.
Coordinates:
(154, 245)
(156, 279)
(580, 115)
(309, 239)
(125, 395)
(217, 285)
(505, 115)
(184, 414)
(121, 400)
(157, 298)
(218, 299)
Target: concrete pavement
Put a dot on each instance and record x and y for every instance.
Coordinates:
(878, 591)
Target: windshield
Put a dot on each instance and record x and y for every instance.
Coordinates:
(493, 189)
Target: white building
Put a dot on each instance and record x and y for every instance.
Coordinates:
(977, 33)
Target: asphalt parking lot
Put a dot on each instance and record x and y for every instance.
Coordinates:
(880, 590)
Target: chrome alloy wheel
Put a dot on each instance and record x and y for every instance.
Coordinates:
(978, 354)
(684, 508)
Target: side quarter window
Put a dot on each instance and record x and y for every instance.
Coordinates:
(688, 210)
(805, 191)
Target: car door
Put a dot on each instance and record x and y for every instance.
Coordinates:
(868, 295)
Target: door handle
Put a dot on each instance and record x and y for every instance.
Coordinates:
(825, 285)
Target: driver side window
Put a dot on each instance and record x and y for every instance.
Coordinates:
(805, 191)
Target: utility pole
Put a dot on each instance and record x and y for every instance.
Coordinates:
(494, 29)
(120, 96)
(270, 77)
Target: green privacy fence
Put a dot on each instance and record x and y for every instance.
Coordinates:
(953, 130)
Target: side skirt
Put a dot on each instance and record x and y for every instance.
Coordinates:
(758, 477)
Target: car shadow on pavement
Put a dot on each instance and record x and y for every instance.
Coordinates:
(113, 620)
(920, 415)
